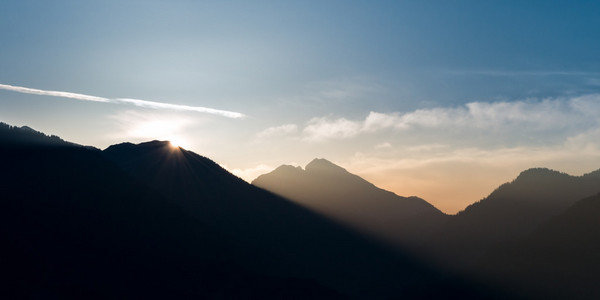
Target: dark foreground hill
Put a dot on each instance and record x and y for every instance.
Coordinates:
(74, 225)
(331, 190)
(153, 221)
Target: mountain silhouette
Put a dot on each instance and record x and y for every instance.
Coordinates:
(155, 221)
(530, 237)
(74, 225)
(512, 211)
(13, 136)
(331, 190)
(559, 260)
(274, 235)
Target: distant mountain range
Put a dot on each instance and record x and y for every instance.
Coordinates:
(332, 191)
(514, 210)
(155, 221)
(525, 236)
(560, 259)
(151, 220)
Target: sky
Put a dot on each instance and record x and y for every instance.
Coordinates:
(445, 100)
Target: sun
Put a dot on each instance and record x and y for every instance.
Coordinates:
(177, 142)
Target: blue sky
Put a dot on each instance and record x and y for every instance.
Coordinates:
(404, 93)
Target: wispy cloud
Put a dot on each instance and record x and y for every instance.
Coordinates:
(528, 116)
(319, 129)
(504, 73)
(384, 145)
(136, 102)
(25, 90)
(278, 130)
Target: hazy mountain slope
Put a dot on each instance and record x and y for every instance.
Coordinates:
(274, 235)
(512, 211)
(74, 225)
(333, 191)
(559, 260)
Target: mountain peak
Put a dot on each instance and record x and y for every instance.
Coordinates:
(27, 128)
(539, 173)
(155, 143)
(321, 164)
(130, 146)
(334, 192)
(287, 169)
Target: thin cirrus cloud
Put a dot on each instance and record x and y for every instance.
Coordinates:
(136, 102)
(503, 73)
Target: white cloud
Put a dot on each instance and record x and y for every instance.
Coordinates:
(385, 145)
(377, 121)
(160, 105)
(25, 90)
(319, 129)
(286, 129)
(546, 114)
(518, 117)
(136, 102)
(502, 73)
(588, 141)
(588, 105)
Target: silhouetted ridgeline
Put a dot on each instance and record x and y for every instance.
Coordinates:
(560, 259)
(74, 225)
(275, 235)
(13, 136)
(512, 211)
(514, 237)
(504, 239)
(153, 221)
(333, 191)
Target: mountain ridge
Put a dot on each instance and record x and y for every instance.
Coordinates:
(271, 225)
(72, 215)
(563, 251)
(15, 136)
(323, 164)
(512, 211)
(74, 225)
(333, 191)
